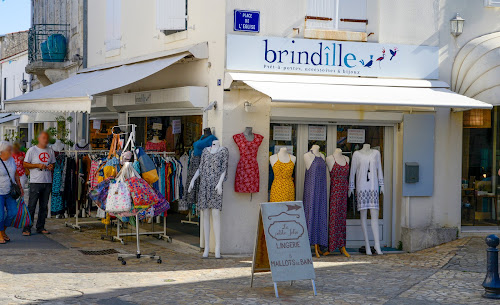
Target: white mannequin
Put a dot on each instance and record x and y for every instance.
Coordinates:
(338, 158)
(248, 133)
(58, 146)
(373, 214)
(310, 155)
(283, 156)
(215, 212)
(156, 139)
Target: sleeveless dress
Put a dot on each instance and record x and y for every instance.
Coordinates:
(315, 202)
(283, 188)
(339, 177)
(247, 171)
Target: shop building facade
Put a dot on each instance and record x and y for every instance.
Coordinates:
(193, 62)
(415, 221)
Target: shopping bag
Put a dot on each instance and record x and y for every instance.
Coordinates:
(148, 168)
(118, 199)
(23, 218)
(162, 205)
(99, 194)
(143, 195)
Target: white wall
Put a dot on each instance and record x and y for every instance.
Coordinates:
(12, 68)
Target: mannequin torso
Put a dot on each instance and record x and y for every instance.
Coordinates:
(338, 158)
(248, 133)
(206, 133)
(156, 139)
(58, 146)
(311, 155)
(283, 156)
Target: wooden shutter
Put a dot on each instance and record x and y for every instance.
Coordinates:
(171, 15)
(354, 10)
(322, 9)
(113, 24)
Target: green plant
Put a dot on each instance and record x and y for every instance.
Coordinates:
(34, 142)
(400, 246)
(60, 132)
(13, 136)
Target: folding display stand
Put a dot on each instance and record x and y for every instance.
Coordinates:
(77, 223)
(138, 255)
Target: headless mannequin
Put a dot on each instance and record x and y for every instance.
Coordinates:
(341, 160)
(310, 155)
(58, 146)
(215, 212)
(373, 216)
(156, 139)
(206, 132)
(248, 133)
(308, 159)
(283, 156)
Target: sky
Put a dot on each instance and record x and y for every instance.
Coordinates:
(14, 15)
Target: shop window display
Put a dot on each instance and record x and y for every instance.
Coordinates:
(480, 168)
(100, 133)
(282, 136)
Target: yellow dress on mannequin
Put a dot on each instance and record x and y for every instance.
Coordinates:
(283, 188)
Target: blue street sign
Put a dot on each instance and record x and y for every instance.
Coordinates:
(246, 21)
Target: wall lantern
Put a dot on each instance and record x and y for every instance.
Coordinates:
(457, 25)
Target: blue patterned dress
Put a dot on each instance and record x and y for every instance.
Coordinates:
(316, 202)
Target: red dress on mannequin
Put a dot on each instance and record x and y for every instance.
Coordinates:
(247, 171)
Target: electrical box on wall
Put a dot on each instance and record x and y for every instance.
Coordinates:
(411, 172)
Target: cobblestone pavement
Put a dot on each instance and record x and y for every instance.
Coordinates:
(448, 274)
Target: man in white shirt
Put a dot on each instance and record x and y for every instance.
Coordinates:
(40, 161)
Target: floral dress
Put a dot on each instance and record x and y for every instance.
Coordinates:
(212, 166)
(339, 177)
(247, 171)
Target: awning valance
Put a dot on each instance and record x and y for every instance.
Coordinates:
(74, 94)
(358, 91)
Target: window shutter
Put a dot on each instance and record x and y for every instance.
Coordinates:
(352, 9)
(321, 8)
(171, 15)
(113, 24)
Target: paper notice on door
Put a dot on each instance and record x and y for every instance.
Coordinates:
(282, 133)
(355, 136)
(96, 124)
(317, 133)
(176, 126)
(157, 126)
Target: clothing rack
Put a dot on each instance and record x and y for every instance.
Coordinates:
(78, 223)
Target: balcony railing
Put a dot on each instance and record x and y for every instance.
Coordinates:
(48, 42)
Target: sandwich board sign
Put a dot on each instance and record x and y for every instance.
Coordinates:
(282, 243)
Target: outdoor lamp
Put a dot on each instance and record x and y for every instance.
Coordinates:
(24, 86)
(457, 25)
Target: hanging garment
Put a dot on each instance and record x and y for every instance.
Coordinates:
(339, 183)
(94, 167)
(366, 167)
(190, 198)
(212, 166)
(19, 159)
(70, 185)
(184, 160)
(315, 202)
(203, 142)
(56, 201)
(156, 146)
(283, 188)
(247, 170)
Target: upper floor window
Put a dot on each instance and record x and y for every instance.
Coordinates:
(346, 15)
(492, 3)
(171, 15)
(113, 24)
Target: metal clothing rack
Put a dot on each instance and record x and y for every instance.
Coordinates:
(78, 223)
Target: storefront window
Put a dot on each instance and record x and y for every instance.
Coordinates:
(480, 159)
(167, 133)
(100, 133)
(373, 135)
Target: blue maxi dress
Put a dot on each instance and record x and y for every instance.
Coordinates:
(316, 202)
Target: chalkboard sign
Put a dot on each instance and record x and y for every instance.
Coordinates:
(282, 243)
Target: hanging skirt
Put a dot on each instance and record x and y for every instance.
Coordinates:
(189, 198)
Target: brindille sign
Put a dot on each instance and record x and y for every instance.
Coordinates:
(308, 56)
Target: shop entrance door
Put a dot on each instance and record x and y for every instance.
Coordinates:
(299, 138)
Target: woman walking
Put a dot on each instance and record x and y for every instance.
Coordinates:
(8, 175)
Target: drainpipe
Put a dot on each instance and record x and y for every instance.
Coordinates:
(85, 32)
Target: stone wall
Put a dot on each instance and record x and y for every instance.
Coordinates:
(13, 43)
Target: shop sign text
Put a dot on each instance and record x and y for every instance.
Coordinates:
(312, 56)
